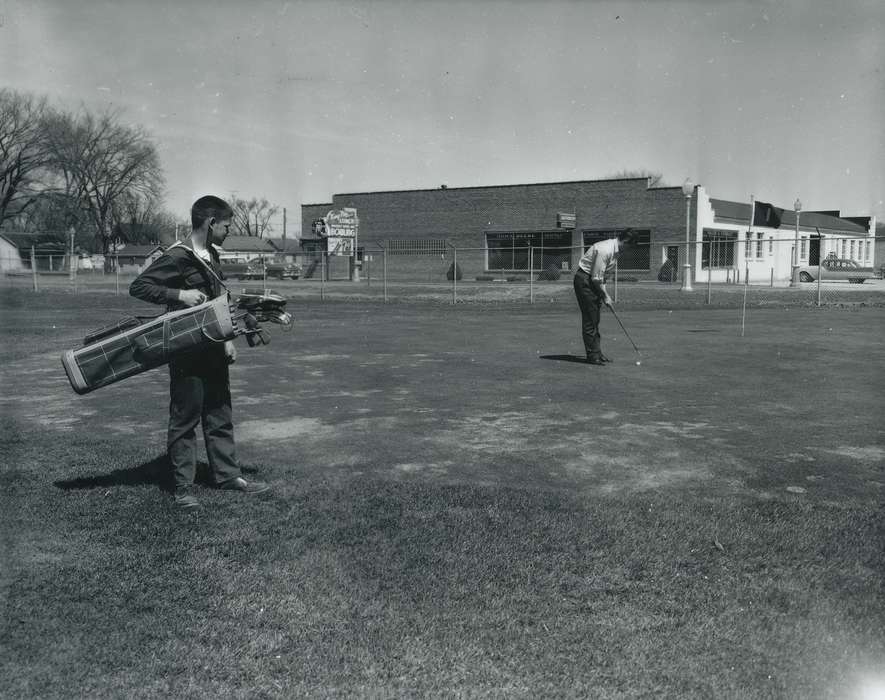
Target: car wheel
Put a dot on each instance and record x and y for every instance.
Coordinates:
(805, 277)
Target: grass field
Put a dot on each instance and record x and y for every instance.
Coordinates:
(458, 509)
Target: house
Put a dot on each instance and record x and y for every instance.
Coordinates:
(135, 258)
(288, 249)
(243, 249)
(51, 255)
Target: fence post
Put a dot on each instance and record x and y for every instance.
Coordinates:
(385, 274)
(34, 268)
(117, 275)
(772, 277)
(744, 305)
(322, 276)
(72, 268)
(820, 273)
(531, 275)
(709, 283)
(454, 275)
(616, 281)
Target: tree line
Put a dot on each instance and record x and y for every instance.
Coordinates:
(91, 173)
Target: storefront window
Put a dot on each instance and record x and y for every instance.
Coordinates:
(637, 257)
(515, 250)
(717, 249)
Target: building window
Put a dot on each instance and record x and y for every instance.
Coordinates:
(851, 249)
(717, 249)
(771, 245)
(416, 246)
(748, 246)
(867, 256)
(844, 245)
(803, 248)
(759, 245)
(517, 249)
(637, 257)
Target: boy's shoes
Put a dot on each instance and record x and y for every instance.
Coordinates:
(595, 360)
(185, 500)
(604, 358)
(240, 484)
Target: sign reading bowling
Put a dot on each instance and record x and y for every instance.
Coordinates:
(341, 226)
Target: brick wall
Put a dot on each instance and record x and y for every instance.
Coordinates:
(462, 215)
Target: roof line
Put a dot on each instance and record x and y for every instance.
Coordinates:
(494, 187)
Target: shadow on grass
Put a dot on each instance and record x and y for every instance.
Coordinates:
(157, 472)
(565, 358)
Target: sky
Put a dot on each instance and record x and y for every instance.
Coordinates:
(298, 101)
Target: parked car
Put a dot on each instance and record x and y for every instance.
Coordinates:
(283, 270)
(242, 271)
(835, 269)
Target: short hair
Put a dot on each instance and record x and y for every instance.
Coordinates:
(628, 236)
(209, 207)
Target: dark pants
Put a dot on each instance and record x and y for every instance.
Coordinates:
(199, 391)
(591, 305)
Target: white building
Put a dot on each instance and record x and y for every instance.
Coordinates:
(728, 246)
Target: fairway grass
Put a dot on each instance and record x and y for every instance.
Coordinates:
(456, 511)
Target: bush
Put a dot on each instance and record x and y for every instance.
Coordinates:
(454, 272)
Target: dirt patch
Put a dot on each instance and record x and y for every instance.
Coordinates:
(872, 453)
(297, 427)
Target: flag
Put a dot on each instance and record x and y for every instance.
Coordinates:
(767, 215)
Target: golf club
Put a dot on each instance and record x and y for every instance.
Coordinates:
(624, 329)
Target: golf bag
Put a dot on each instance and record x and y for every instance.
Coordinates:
(137, 344)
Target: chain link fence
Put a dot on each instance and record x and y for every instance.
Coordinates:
(730, 274)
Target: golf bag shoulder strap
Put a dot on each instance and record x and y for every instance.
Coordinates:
(204, 266)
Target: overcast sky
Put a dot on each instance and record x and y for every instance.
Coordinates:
(297, 101)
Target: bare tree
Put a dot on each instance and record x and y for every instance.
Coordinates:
(252, 217)
(100, 161)
(655, 179)
(24, 156)
(142, 219)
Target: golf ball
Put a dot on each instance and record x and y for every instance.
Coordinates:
(638, 362)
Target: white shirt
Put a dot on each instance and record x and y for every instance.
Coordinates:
(600, 258)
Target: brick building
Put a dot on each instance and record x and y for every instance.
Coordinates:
(494, 227)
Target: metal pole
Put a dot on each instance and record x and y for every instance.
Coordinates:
(686, 268)
(454, 275)
(72, 269)
(34, 268)
(616, 281)
(531, 275)
(709, 283)
(772, 276)
(744, 307)
(385, 275)
(820, 273)
(323, 276)
(794, 277)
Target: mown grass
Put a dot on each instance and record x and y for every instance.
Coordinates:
(361, 586)
(372, 582)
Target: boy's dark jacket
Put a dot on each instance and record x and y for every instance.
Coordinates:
(177, 268)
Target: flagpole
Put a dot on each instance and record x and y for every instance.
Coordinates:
(748, 244)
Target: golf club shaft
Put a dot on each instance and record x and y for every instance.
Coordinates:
(623, 329)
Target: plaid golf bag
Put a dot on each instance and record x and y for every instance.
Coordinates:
(131, 346)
